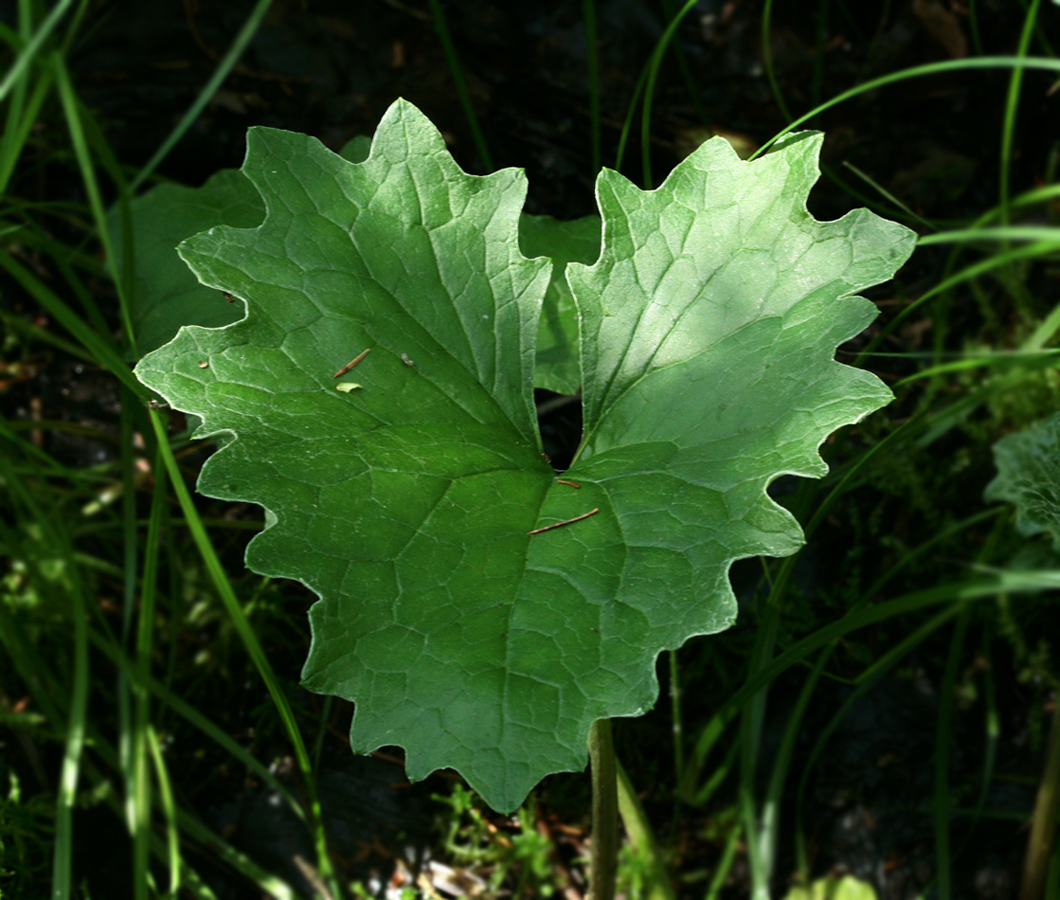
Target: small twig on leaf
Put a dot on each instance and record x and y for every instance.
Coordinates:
(591, 512)
(346, 368)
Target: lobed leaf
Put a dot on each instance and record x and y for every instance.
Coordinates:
(414, 503)
(1028, 476)
(708, 328)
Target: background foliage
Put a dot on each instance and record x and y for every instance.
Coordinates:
(884, 704)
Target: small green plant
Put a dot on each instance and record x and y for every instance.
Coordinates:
(24, 831)
(845, 888)
(1028, 464)
(522, 853)
(481, 611)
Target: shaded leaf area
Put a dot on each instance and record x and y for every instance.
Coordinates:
(708, 328)
(1028, 477)
(557, 337)
(167, 292)
(168, 295)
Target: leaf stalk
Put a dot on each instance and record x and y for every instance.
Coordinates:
(603, 855)
(1043, 826)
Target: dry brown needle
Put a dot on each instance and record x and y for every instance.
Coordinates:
(346, 368)
(591, 512)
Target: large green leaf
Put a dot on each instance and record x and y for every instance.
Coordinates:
(708, 328)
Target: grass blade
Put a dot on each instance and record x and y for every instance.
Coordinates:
(250, 641)
(78, 708)
(453, 60)
(592, 53)
(1008, 125)
(246, 34)
(641, 837)
(937, 68)
(103, 352)
(32, 48)
(653, 74)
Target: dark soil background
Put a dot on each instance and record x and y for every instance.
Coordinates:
(330, 69)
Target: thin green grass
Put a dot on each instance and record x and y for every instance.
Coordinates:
(592, 56)
(39, 73)
(984, 62)
(687, 76)
(756, 820)
(767, 61)
(1008, 124)
(33, 43)
(641, 836)
(227, 63)
(53, 696)
(174, 862)
(250, 641)
(139, 780)
(75, 727)
(456, 70)
(649, 92)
